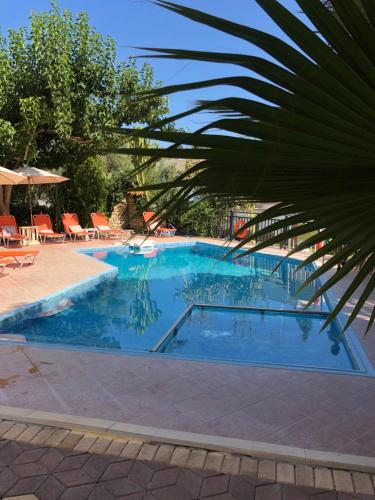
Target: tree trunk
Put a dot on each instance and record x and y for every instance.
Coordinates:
(6, 191)
(5, 196)
(1, 201)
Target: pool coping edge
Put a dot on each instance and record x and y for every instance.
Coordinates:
(256, 449)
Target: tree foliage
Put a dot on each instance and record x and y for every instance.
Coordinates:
(60, 86)
(88, 192)
(201, 217)
(309, 143)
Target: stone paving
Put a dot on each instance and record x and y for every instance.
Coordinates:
(134, 471)
(57, 463)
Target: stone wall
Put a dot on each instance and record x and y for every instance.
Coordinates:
(126, 215)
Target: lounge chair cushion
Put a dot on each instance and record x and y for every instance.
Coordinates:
(103, 228)
(153, 225)
(44, 229)
(76, 228)
(9, 230)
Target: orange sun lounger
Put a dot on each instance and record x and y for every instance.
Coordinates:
(4, 263)
(152, 226)
(73, 228)
(240, 235)
(14, 254)
(101, 224)
(9, 230)
(45, 229)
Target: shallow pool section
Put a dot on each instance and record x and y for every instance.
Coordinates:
(259, 336)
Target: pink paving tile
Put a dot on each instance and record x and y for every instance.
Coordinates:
(275, 412)
(235, 425)
(308, 433)
(170, 418)
(355, 448)
(354, 423)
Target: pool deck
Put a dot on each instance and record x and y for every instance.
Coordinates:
(321, 411)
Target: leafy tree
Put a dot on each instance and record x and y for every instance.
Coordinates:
(118, 168)
(88, 192)
(309, 144)
(60, 86)
(200, 217)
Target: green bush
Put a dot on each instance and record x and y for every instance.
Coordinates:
(200, 218)
(87, 189)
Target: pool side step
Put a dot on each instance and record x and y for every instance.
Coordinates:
(110, 429)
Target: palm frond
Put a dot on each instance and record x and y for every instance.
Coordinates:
(309, 145)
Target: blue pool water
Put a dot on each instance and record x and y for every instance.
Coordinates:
(260, 337)
(133, 311)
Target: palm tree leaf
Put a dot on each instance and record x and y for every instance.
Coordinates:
(361, 301)
(364, 271)
(356, 24)
(310, 43)
(304, 85)
(369, 8)
(339, 38)
(282, 131)
(275, 95)
(281, 51)
(309, 145)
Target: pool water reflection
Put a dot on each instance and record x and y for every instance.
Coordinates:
(132, 312)
(270, 338)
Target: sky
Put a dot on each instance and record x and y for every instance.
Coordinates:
(140, 23)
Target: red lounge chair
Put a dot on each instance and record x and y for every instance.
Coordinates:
(9, 231)
(16, 253)
(45, 228)
(152, 223)
(240, 235)
(73, 228)
(3, 264)
(101, 224)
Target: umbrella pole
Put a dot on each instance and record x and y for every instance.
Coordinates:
(30, 201)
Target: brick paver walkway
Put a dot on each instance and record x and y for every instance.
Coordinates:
(57, 473)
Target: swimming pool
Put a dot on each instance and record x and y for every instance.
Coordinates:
(132, 312)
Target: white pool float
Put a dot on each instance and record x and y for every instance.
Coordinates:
(140, 248)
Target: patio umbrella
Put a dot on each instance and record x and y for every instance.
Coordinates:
(35, 176)
(8, 177)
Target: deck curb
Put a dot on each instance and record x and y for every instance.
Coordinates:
(228, 445)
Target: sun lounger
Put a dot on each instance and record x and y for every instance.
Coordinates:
(152, 225)
(45, 229)
(4, 263)
(101, 224)
(9, 231)
(240, 235)
(16, 254)
(73, 228)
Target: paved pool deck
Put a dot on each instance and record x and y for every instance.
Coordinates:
(322, 411)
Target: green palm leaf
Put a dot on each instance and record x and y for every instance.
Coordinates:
(309, 145)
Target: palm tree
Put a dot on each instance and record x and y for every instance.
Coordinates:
(309, 144)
